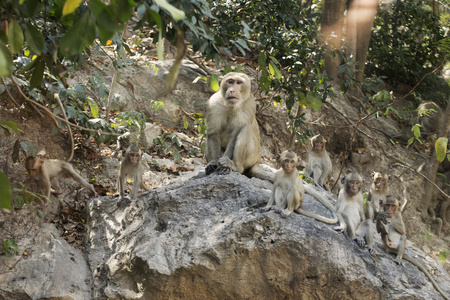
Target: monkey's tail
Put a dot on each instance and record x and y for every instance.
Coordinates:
(422, 268)
(318, 217)
(68, 126)
(312, 191)
(262, 173)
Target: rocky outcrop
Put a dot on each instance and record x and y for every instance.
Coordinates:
(206, 238)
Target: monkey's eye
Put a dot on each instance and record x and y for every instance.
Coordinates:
(230, 81)
(240, 82)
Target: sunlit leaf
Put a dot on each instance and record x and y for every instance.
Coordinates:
(185, 122)
(15, 37)
(442, 255)
(70, 6)
(441, 148)
(5, 192)
(214, 82)
(314, 102)
(301, 98)
(174, 12)
(94, 108)
(416, 130)
(275, 71)
(12, 125)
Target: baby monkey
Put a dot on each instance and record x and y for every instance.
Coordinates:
(288, 191)
(131, 166)
(47, 173)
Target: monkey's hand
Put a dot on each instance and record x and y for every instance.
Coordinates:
(340, 228)
(372, 251)
(211, 167)
(398, 261)
(382, 217)
(226, 165)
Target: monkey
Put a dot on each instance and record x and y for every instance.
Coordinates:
(349, 210)
(133, 166)
(48, 171)
(232, 134)
(389, 224)
(430, 116)
(319, 162)
(377, 195)
(288, 191)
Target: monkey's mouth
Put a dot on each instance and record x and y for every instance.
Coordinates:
(232, 100)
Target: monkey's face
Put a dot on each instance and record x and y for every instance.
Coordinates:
(380, 182)
(390, 209)
(134, 157)
(235, 89)
(289, 164)
(33, 166)
(318, 146)
(353, 187)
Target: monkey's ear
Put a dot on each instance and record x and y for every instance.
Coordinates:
(277, 158)
(373, 175)
(389, 177)
(343, 180)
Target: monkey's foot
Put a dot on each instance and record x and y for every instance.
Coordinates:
(372, 251)
(398, 262)
(277, 211)
(360, 241)
(265, 209)
(211, 168)
(339, 228)
(223, 170)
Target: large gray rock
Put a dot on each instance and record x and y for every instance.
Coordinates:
(207, 239)
(53, 270)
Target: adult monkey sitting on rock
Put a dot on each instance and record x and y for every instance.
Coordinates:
(232, 137)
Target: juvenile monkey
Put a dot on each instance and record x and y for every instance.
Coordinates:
(390, 225)
(232, 139)
(47, 173)
(377, 195)
(319, 162)
(349, 210)
(131, 166)
(288, 191)
(430, 116)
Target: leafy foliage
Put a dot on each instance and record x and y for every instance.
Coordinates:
(404, 45)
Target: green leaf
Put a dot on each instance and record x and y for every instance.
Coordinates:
(15, 37)
(12, 125)
(441, 148)
(262, 60)
(5, 192)
(427, 235)
(38, 74)
(94, 108)
(70, 6)
(442, 256)
(301, 98)
(79, 36)
(174, 12)
(26, 146)
(264, 80)
(6, 61)
(274, 70)
(40, 213)
(314, 102)
(185, 122)
(10, 247)
(214, 82)
(416, 130)
(34, 38)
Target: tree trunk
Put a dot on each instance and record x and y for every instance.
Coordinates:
(332, 25)
(433, 165)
